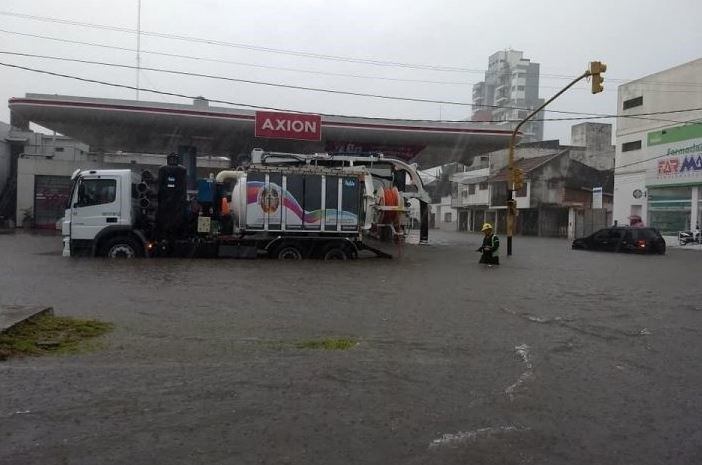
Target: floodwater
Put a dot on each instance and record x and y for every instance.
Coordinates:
(557, 356)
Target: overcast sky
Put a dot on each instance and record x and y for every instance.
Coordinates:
(634, 38)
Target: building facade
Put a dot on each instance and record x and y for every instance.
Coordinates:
(470, 194)
(510, 81)
(560, 196)
(658, 168)
(442, 215)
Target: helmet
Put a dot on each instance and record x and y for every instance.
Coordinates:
(486, 226)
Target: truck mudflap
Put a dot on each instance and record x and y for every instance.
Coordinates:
(382, 249)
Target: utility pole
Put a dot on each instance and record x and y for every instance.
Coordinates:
(138, 50)
(515, 177)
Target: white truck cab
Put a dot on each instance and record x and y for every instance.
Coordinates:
(99, 204)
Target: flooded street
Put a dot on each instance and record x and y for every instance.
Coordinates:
(557, 356)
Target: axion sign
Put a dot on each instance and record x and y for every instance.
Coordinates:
(296, 126)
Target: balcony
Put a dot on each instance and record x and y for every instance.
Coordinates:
(479, 198)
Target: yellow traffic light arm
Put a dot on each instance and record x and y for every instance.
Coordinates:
(595, 69)
(513, 140)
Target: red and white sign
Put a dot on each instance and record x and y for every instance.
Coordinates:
(296, 126)
(668, 166)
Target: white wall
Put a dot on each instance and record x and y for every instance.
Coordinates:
(624, 187)
(466, 199)
(57, 147)
(660, 93)
(463, 181)
(5, 158)
(441, 209)
(524, 202)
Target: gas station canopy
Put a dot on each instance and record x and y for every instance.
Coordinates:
(111, 125)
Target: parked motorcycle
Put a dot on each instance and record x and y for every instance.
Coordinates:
(688, 237)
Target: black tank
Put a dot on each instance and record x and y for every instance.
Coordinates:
(172, 196)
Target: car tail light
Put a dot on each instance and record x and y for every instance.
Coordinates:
(641, 244)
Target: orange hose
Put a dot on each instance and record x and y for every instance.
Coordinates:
(390, 198)
(225, 207)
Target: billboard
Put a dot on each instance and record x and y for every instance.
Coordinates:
(676, 156)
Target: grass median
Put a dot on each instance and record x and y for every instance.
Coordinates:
(49, 334)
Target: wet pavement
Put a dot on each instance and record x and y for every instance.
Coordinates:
(556, 356)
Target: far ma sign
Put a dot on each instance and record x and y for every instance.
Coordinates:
(295, 126)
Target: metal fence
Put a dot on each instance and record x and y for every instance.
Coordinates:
(590, 220)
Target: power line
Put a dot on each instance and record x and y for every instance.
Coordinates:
(238, 63)
(241, 45)
(328, 73)
(174, 94)
(314, 89)
(248, 81)
(282, 68)
(126, 86)
(369, 61)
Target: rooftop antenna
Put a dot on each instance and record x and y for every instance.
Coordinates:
(138, 49)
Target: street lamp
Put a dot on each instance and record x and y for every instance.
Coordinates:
(515, 176)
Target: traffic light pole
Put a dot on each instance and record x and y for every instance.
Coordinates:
(511, 204)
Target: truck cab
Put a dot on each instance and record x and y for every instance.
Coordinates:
(98, 210)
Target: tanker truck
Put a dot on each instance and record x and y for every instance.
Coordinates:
(280, 205)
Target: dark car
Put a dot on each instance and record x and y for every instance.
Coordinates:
(623, 239)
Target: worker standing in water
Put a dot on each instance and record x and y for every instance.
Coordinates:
(490, 248)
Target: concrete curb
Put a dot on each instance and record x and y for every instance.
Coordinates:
(12, 315)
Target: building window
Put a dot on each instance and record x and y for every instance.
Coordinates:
(633, 102)
(58, 149)
(447, 217)
(464, 193)
(520, 87)
(471, 189)
(522, 191)
(483, 186)
(669, 209)
(629, 146)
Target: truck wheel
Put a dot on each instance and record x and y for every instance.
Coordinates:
(335, 251)
(289, 251)
(121, 247)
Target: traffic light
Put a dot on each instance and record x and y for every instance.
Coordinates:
(518, 178)
(596, 70)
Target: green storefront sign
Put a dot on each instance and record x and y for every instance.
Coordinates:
(675, 134)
